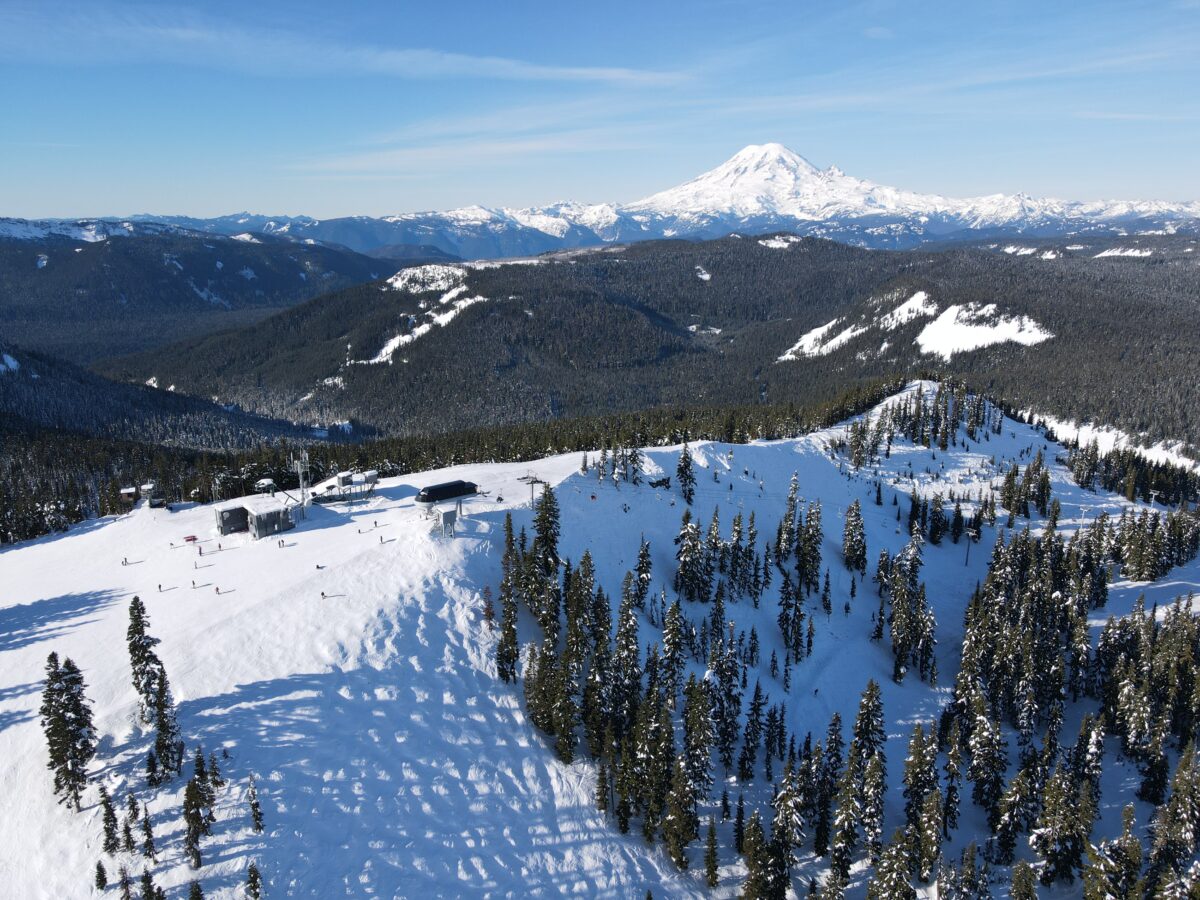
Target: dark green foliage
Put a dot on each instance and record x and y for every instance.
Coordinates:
(49, 393)
(256, 816)
(66, 717)
(194, 821)
(253, 882)
(1024, 882)
(711, 864)
(610, 331)
(50, 479)
(891, 879)
(149, 850)
(109, 818)
(1061, 832)
(685, 475)
(507, 650)
(1114, 867)
(150, 891)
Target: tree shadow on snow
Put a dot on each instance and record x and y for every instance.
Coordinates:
(53, 617)
(11, 717)
(372, 784)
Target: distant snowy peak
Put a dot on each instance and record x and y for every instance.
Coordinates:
(771, 180)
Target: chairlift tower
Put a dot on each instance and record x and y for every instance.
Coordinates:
(300, 464)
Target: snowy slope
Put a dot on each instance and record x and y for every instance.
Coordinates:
(390, 760)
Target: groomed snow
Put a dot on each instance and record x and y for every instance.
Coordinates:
(961, 328)
(1123, 251)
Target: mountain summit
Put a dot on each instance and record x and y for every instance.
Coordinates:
(772, 180)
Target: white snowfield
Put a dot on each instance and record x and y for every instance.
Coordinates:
(915, 307)
(419, 279)
(352, 672)
(1124, 251)
(810, 342)
(781, 242)
(965, 327)
(958, 329)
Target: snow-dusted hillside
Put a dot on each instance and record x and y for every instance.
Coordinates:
(352, 672)
(957, 328)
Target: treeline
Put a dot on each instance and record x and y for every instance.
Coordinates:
(51, 479)
(1126, 471)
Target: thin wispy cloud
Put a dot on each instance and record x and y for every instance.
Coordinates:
(1113, 116)
(148, 35)
(452, 154)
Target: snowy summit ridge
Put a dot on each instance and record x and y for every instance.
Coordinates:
(771, 180)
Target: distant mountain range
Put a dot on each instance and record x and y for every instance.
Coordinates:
(761, 189)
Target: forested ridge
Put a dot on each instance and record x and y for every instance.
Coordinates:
(82, 300)
(679, 322)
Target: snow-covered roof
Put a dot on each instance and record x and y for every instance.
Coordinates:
(256, 503)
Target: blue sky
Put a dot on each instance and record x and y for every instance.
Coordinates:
(372, 108)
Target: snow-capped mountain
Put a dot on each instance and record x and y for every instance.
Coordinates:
(769, 180)
(771, 184)
(762, 188)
